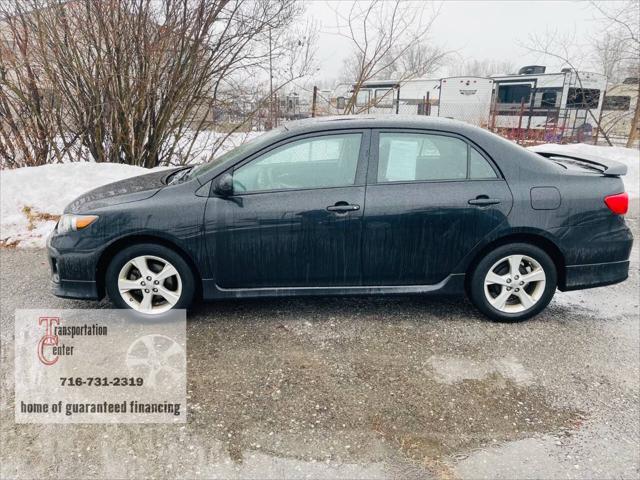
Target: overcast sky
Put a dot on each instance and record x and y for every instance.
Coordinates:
(475, 29)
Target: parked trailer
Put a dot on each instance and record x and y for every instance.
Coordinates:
(619, 107)
(550, 107)
(462, 98)
(467, 99)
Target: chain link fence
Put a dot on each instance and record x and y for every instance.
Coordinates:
(521, 123)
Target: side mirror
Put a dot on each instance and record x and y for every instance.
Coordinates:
(224, 185)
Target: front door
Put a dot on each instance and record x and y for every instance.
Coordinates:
(431, 197)
(295, 217)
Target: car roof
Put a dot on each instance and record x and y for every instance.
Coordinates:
(377, 121)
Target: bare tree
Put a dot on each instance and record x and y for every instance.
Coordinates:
(420, 59)
(29, 112)
(564, 48)
(137, 77)
(623, 20)
(608, 57)
(481, 68)
(382, 34)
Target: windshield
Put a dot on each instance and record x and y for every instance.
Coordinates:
(256, 143)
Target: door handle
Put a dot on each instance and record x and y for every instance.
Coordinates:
(484, 200)
(343, 207)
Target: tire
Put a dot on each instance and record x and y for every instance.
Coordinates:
(167, 288)
(507, 295)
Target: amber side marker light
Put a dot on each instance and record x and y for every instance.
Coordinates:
(84, 221)
(618, 203)
(71, 223)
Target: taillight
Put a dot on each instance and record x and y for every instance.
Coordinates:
(618, 203)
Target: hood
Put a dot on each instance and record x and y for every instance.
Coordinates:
(130, 190)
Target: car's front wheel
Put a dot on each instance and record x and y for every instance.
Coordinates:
(513, 282)
(150, 279)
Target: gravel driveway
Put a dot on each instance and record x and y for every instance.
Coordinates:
(378, 387)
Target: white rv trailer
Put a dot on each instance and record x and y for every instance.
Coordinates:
(551, 106)
(619, 107)
(467, 99)
(462, 98)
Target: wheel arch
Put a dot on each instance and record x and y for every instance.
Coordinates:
(129, 240)
(535, 239)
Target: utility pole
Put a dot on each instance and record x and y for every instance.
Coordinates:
(633, 132)
(270, 81)
(313, 101)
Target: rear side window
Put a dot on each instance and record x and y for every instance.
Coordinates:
(408, 157)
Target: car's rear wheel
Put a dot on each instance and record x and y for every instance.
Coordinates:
(150, 279)
(513, 282)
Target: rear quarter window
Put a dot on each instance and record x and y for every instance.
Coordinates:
(479, 167)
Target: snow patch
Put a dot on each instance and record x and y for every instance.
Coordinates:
(32, 197)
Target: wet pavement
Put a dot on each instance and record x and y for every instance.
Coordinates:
(376, 387)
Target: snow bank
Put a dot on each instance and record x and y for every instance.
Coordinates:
(629, 156)
(31, 198)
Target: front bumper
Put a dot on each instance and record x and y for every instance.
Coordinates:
(595, 275)
(73, 275)
(78, 289)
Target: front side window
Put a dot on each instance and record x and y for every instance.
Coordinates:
(318, 162)
(408, 157)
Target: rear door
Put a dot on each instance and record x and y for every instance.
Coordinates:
(431, 197)
(295, 217)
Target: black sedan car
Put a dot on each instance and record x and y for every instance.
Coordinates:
(352, 205)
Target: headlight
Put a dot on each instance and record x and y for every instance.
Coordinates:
(68, 223)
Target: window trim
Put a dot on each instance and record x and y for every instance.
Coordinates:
(361, 167)
(372, 173)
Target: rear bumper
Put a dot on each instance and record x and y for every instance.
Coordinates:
(594, 275)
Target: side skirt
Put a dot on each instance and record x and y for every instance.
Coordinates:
(451, 285)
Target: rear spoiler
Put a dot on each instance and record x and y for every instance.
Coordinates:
(610, 168)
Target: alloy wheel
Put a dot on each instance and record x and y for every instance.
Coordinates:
(515, 283)
(149, 284)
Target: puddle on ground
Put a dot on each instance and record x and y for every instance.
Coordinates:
(360, 406)
(449, 369)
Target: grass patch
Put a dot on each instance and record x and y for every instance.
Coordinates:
(33, 216)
